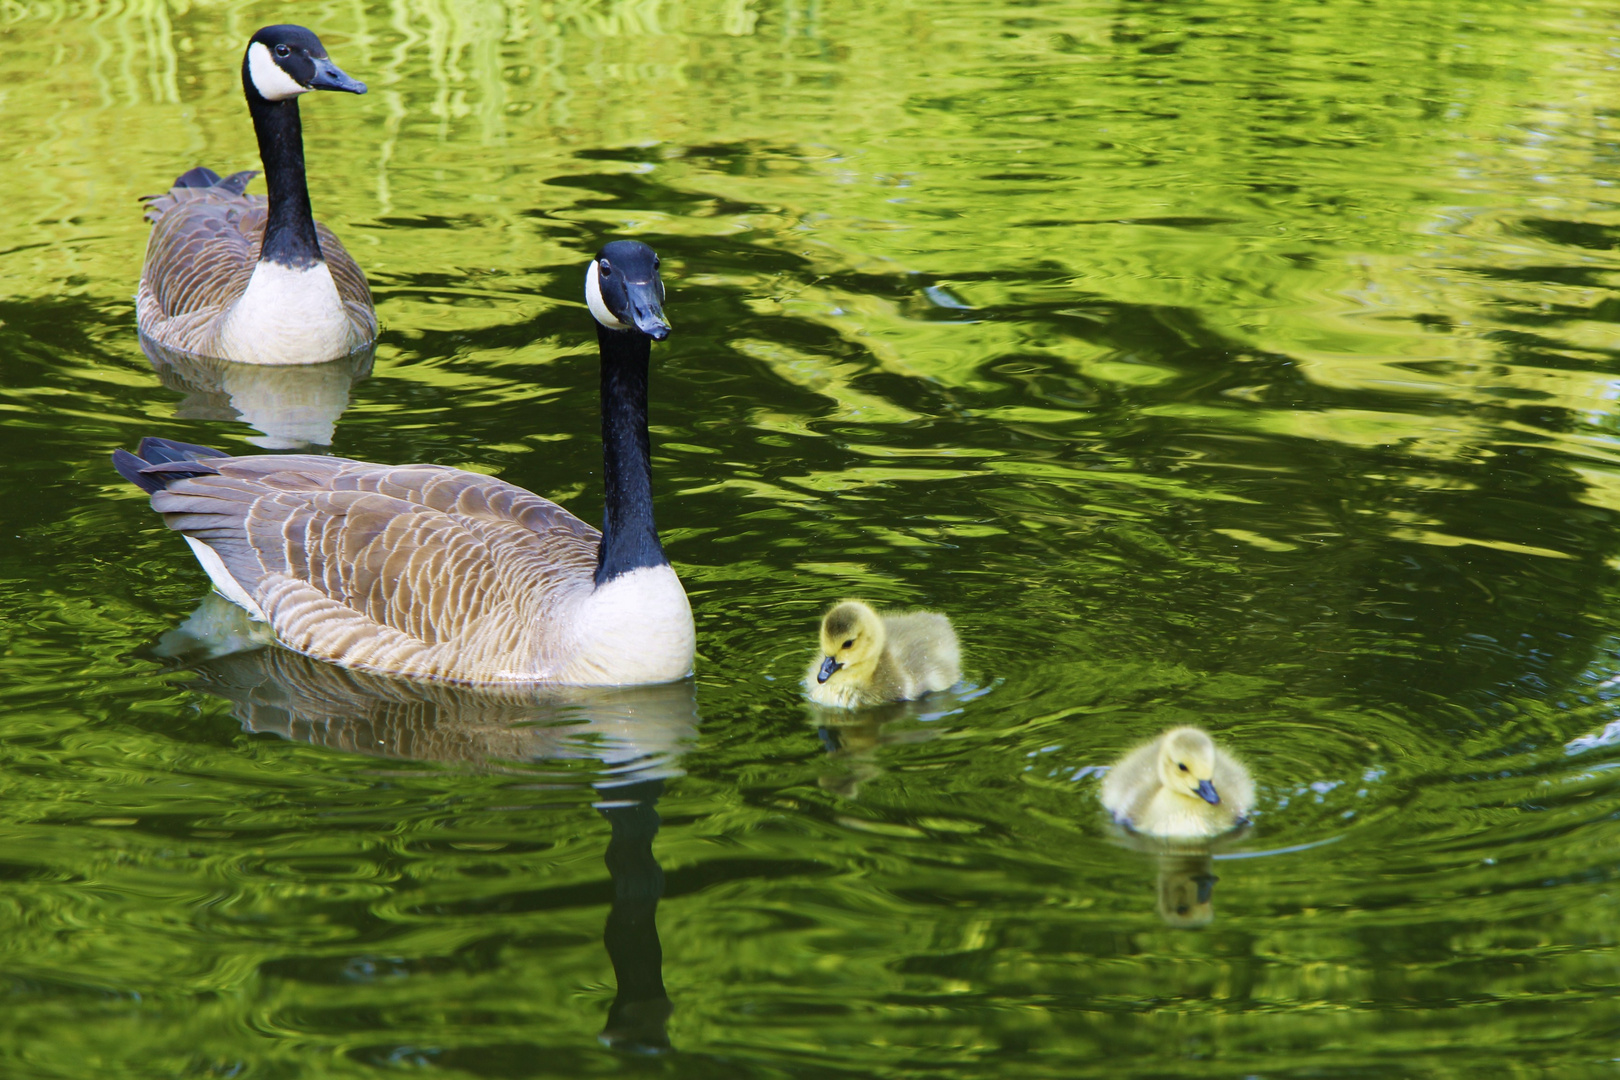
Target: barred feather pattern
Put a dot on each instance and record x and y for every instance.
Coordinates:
(417, 570)
(200, 256)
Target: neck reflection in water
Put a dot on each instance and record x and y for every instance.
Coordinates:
(637, 733)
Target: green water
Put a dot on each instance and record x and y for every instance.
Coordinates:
(1250, 364)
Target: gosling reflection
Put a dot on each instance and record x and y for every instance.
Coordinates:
(638, 733)
(1186, 890)
(294, 406)
(854, 740)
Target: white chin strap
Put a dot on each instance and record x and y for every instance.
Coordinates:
(269, 80)
(593, 299)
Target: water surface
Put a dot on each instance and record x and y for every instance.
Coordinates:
(1245, 364)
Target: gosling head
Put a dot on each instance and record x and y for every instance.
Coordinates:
(852, 639)
(624, 291)
(285, 61)
(1187, 764)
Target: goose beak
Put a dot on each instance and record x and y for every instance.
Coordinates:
(328, 76)
(828, 666)
(1206, 791)
(647, 310)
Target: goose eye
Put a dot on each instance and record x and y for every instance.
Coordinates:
(607, 267)
(850, 643)
(656, 262)
(282, 50)
(1180, 766)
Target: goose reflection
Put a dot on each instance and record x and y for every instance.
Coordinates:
(637, 733)
(293, 406)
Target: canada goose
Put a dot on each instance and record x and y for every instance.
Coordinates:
(295, 406)
(869, 658)
(434, 572)
(1179, 786)
(230, 276)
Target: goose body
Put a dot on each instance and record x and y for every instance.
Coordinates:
(869, 658)
(1179, 786)
(239, 277)
(434, 572)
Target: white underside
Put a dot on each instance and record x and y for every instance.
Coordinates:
(636, 628)
(224, 584)
(287, 316)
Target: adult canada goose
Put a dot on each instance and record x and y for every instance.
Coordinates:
(230, 276)
(869, 658)
(1179, 786)
(434, 572)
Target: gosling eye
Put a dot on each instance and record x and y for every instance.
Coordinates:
(1180, 766)
(607, 267)
(850, 644)
(282, 50)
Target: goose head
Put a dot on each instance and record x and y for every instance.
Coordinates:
(624, 291)
(1187, 764)
(852, 640)
(285, 61)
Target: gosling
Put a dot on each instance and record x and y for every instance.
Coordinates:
(869, 658)
(1180, 786)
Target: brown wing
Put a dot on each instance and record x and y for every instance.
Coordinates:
(351, 281)
(419, 569)
(202, 250)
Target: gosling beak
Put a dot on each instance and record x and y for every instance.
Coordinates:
(328, 76)
(828, 666)
(1206, 791)
(1206, 886)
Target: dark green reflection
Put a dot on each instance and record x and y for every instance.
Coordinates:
(637, 733)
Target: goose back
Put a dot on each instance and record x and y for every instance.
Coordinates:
(200, 260)
(419, 570)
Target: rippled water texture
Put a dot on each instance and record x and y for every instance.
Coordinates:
(1248, 364)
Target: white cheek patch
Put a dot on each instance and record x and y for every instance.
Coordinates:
(593, 299)
(272, 83)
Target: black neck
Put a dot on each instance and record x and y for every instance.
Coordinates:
(289, 234)
(629, 537)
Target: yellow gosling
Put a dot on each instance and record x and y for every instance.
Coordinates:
(1179, 786)
(868, 658)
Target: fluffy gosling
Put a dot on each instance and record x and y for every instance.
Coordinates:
(1179, 786)
(869, 658)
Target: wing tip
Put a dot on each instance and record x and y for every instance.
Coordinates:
(159, 461)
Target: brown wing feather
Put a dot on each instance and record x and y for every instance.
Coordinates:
(408, 569)
(202, 249)
(200, 257)
(351, 281)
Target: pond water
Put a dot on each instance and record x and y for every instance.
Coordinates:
(1247, 364)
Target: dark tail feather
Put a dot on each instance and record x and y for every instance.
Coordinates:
(236, 183)
(129, 467)
(159, 462)
(156, 451)
(201, 176)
